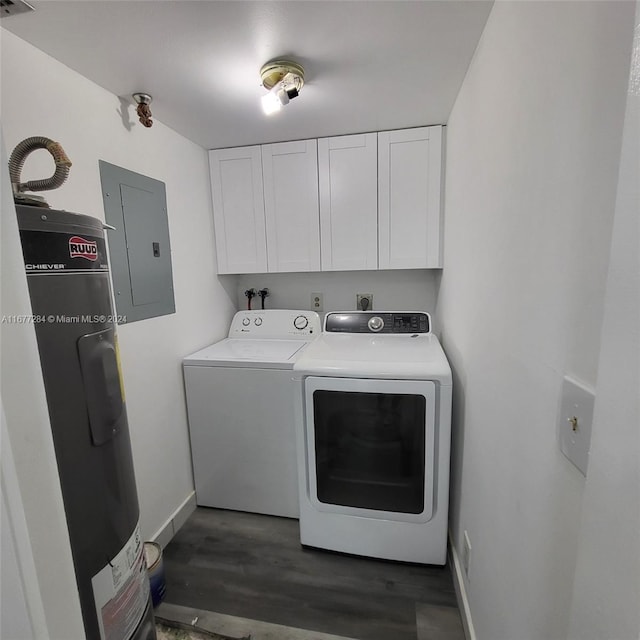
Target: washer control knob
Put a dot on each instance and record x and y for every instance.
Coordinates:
(301, 322)
(245, 322)
(258, 321)
(376, 323)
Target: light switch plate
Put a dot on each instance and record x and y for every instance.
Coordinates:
(575, 422)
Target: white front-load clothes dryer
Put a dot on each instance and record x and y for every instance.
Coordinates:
(241, 415)
(373, 425)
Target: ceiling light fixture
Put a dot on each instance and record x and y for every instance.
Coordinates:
(284, 80)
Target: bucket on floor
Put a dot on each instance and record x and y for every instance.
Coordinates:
(155, 570)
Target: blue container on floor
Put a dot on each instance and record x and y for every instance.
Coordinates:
(155, 571)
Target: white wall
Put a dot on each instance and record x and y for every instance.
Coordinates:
(607, 584)
(14, 614)
(42, 97)
(20, 614)
(411, 290)
(533, 152)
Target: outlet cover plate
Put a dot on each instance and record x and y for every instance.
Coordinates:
(359, 297)
(575, 422)
(317, 302)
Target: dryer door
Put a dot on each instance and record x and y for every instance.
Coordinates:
(370, 447)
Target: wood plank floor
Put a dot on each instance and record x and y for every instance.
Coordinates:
(253, 566)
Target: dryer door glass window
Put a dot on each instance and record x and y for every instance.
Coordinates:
(370, 450)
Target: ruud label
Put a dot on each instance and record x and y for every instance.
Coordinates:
(82, 248)
(53, 252)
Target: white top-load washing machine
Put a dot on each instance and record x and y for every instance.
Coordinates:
(241, 416)
(373, 420)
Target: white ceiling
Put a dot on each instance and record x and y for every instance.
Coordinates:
(369, 65)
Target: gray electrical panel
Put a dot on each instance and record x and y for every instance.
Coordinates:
(139, 247)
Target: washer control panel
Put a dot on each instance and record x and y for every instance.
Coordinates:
(396, 322)
(275, 324)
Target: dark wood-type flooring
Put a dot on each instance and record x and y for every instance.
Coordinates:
(253, 566)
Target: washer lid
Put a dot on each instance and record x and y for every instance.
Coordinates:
(245, 352)
(415, 357)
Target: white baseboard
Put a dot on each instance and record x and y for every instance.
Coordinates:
(461, 592)
(175, 521)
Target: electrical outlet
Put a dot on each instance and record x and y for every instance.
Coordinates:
(316, 302)
(466, 553)
(364, 301)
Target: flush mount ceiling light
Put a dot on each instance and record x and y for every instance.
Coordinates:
(283, 79)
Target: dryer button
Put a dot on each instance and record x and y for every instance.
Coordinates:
(376, 323)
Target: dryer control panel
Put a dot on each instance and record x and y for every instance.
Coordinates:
(394, 322)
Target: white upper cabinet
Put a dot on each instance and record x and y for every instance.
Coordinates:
(409, 198)
(346, 203)
(238, 209)
(347, 174)
(290, 174)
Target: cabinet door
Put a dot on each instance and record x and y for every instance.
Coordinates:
(347, 169)
(409, 198)
(238, 210)
(290, 172)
